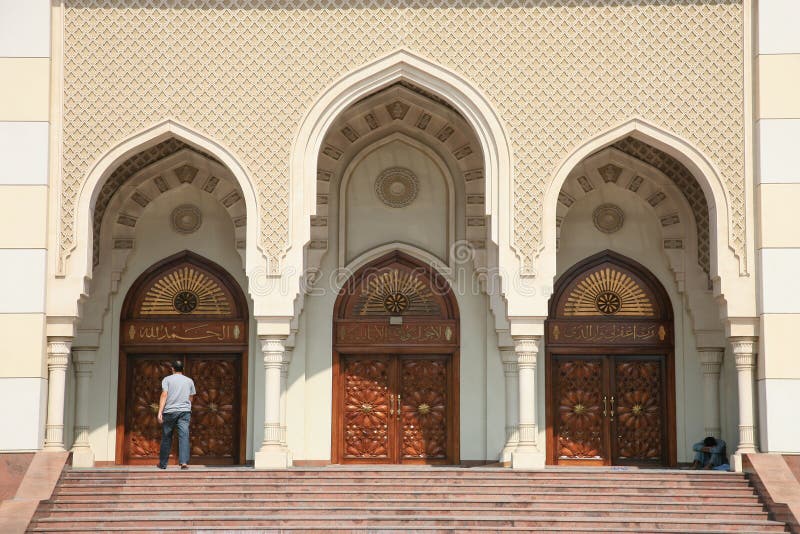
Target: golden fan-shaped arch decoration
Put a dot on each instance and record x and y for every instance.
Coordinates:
(608, 292)
(183, 291)
(396, 292)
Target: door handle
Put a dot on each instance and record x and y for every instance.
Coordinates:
(398, 406)
(391, 404)
(605, 406)
(612, 407)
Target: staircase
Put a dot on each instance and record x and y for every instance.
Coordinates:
(402, 500)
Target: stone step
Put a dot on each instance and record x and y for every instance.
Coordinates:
(744, 496)
(166, 483)
(390, 520)
(496, 501)
(453, 509)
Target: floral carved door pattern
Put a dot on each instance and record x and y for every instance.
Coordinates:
(610, 366)
(610, 409)
(188, 309)
(214, 429)
(395, 409)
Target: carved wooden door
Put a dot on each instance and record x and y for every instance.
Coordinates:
(216, 409)
(639, 423)
(581, 429)
(394, 409)
(610, 409)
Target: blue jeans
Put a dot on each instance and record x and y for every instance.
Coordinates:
(172, 420)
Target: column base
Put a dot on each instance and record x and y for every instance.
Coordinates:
(737, 460)
(82, 458)
(527, 459)
(53, 447)
(272, 459)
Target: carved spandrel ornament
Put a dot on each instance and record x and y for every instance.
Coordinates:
(694, 54)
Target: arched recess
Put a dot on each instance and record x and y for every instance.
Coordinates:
(610, 369)
(395, 365)
(186, 308)
(72, 275)
(724, 265)
(401, 66)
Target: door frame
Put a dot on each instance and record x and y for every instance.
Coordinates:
(240, 315)
(448, 348)
(665, 347)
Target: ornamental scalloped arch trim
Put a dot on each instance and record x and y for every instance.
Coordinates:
(724, 259)
(80, 253)
(398, 66)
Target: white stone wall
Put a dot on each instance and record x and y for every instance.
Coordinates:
(24, 188)
(778, 235)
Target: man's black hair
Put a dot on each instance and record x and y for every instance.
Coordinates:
(177, 365)
(710, 442)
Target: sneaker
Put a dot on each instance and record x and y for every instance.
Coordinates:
(184, 466)
(161, 466)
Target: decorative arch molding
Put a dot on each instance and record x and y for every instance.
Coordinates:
(416, 253)
(681, 240)
(186, 168)
(351, 166)
(401, 113)
(75, 247)
(398, 66)
(726, 262)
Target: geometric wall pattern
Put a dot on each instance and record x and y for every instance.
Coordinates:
(557, 72)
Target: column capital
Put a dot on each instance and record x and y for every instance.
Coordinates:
(273, 349)
(58, 351)
(711, 359)
(526, 349)
(745, 351)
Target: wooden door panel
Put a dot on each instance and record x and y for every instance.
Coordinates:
(638, 386)
(423, 431)
(365, 409)
(580, 429)
(142, 430)
(214, 430)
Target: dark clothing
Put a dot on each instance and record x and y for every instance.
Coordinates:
(171, 421)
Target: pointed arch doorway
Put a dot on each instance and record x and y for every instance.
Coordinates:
(190, 309)
(395, 366)
(610, 392)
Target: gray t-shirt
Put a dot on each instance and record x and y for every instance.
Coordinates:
(178, 388)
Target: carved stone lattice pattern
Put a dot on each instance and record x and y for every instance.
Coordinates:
(214, 428)
(423, 408)
(366, 430)
(570, 69)
(688, 185)
(639, 410)
(579, 425)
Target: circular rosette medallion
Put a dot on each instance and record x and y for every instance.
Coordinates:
(608, 302)
(185, 302)
(397, 187)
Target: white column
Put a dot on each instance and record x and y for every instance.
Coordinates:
(272, 454)
(527, 454)
(711, 360)
(83, 358)
(511, 371)
(744, 351)
(287, 359)
(58, 351)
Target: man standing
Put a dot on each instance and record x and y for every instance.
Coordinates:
(175, 410)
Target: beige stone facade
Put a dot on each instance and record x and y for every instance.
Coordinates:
(501, 143)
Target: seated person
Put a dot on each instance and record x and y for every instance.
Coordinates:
(709, 453)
